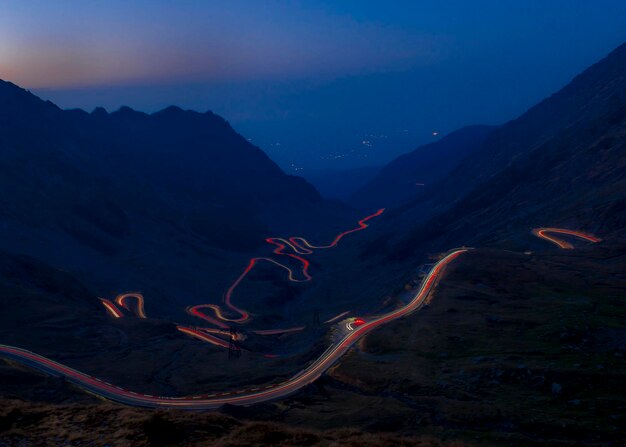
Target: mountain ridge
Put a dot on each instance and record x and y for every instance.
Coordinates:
(406, 176)
(502, 187)
(112, 196)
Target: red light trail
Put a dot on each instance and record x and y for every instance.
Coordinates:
(122, 300)
(358, 328)
(542, 233)
(247, 396)
(298, 245)
(200, 335)
(297, 241)
(111, 308)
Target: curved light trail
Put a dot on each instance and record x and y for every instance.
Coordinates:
(230, 334)
(122, 300)
(298, 245)
(111, 308)
(200, 335)
(302, 242)
(354, 323)
(239, 397)
(543, 233)
(283, 243)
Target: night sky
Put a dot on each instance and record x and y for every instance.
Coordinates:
(328, 84)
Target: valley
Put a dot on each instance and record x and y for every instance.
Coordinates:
(163, 281)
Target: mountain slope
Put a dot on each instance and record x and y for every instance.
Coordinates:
(587, 99)
(561, 163)
(340, 183)
(406, 176)
(127, 200)
(188, 158)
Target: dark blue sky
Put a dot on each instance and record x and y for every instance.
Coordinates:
(315, 84)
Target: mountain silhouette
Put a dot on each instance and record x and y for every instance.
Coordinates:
(563, 162)
(405, 177)
(109, 194)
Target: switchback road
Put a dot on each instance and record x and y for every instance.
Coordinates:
(238, 397)
(543, 233)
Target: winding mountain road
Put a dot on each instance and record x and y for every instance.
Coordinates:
(237, 397)
(299, 245)
(561, 243)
